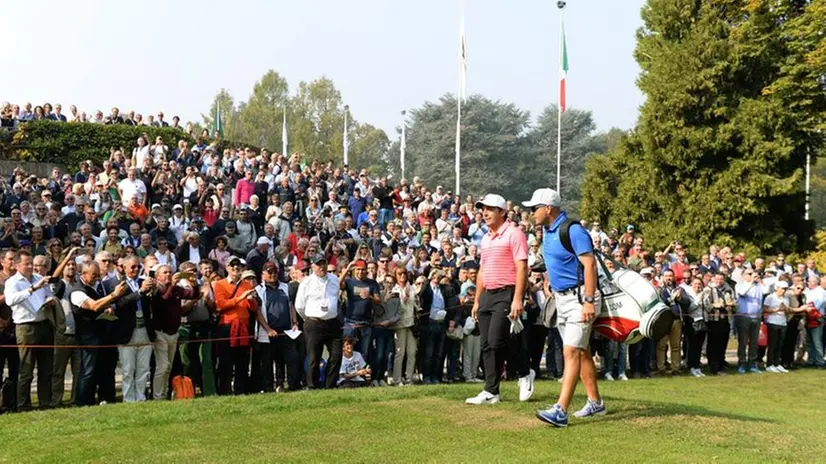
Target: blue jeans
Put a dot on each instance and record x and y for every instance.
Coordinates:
(433, 348)
(384, 346)
(362, 332)
(385, 216)
(639, 357)
(554, 361)
(814, 337)
(87, 383)
(620, 350)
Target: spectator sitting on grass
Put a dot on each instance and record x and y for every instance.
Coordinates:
(354, 371)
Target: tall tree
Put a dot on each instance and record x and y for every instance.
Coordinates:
(318, 126)
(578, 143)
(494, 143)
(260, 116)
(718, 151)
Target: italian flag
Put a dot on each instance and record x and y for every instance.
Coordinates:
(563, 72)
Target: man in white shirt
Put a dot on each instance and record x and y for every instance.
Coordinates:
(130, 187)
(317, 303)
(30, 297)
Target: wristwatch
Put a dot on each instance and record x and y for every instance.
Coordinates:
(588, 299)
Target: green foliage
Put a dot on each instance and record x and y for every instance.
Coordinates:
(719, 150)
(71, 143)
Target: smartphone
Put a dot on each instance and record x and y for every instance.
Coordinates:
(53, 280)
(151, 274)
(186, 275)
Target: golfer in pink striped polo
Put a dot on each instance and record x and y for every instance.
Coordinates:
(503, 274)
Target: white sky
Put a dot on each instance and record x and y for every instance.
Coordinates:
(383, 55)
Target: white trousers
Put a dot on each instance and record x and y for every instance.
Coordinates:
(134, 362)
(165, 346)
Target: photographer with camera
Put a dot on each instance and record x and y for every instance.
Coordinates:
(750, 293)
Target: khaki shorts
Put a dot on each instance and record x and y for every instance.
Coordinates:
(574, 332)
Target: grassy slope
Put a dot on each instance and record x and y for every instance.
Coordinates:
(731, 419)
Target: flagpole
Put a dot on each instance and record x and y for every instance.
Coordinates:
(346, 145)
(561, 6)
(403, 144)
(461, 94)
(284, 134)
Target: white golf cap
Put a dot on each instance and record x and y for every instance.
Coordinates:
(492, 200)
(543, 197)
(781, 284)
(263, 241)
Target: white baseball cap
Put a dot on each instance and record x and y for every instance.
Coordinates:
(263, 241)
(492, 200)
(543, 197)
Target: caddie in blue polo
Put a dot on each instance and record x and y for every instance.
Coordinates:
(572, 271)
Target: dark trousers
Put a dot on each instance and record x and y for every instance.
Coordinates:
(718, 335)
(322, 333)
(450, 353)
(300, 346)
(233, 364)
(107, 362)
(281, 352)
(432, 361)
(554, 360)
(639, 357)
(12, 356)
(776, 335)
(790, 342)
(748, 329)
(87, 381)
(383, 340)
(536, 344)
(695, 340)
(35, 333)
(494, 328)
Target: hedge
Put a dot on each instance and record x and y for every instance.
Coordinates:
(71, 143)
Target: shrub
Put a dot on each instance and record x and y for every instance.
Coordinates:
(71, 143)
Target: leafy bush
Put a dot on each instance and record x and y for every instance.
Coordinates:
(71, 143)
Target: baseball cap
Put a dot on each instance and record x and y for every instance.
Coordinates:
(492, 200)
(647, 271)
(629, 227)
(248, 275)
(360, 264)
(234, 259)
(156, 205)
(177, 207)
(543, 197)
(781, 284)
(319, 258)
(263, 241)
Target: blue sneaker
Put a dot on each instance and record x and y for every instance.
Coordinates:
(755, 370)
(741, 370)
(592, 408)
(554, 415)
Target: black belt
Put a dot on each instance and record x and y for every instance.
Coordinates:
(32, 322)
(500, 289)
(318, 319)
(569, 291)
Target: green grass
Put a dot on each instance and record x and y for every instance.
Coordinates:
(731, 419)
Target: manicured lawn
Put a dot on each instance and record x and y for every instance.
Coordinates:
(770, 417)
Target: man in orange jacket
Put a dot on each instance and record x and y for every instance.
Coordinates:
(235, 299)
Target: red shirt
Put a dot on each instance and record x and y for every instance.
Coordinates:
(501, 250)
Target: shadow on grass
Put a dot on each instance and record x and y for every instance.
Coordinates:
(642, 409)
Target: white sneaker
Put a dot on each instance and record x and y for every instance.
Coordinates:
(609, 377)
(526, 386)
(696, 373)
(483, 398)
(781, 369)
(772, 369)
(623, 377)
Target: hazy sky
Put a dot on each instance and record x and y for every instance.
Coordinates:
(383, 55)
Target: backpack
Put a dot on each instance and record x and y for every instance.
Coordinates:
(565, 240)
(182, 388)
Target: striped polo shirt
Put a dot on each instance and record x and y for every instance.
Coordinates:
(501, 249)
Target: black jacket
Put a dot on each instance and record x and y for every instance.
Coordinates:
(126, 308)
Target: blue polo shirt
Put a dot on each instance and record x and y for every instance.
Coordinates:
(562, 265)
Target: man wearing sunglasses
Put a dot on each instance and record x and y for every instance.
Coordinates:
(577, 303)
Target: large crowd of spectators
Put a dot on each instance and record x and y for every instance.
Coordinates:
(251, 271)
(12, 115)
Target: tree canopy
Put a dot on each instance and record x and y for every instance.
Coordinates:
(734, 103)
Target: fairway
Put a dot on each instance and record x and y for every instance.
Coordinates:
(730, 419)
